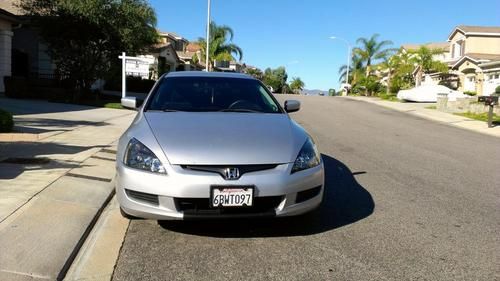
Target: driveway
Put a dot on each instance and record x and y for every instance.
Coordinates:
(406, 199)
(70, 135)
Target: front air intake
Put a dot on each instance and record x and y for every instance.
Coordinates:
(143, 197)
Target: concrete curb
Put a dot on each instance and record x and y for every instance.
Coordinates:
(443, 118)
(85, 235)
(63, 191)
(98, 256)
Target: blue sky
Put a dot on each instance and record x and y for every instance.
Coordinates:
(295, 33)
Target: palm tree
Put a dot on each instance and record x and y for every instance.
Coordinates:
(398, 68)
(297, 85)
(371, 50)
(355, 70)
(423, 58)
(221, 46)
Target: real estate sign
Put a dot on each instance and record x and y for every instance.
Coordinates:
(138, 66)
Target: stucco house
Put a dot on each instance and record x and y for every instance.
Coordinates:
(7, 21)
(22, 53)
(475, 54)
(443, 46)
(473, 57)
(442, 56)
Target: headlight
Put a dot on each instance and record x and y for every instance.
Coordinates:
(308, 157)
(138, 156)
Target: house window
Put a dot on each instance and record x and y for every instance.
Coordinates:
(497, 75)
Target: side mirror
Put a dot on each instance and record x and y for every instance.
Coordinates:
(129, 102)
(292, 105)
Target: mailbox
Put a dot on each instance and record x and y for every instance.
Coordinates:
(488, 100)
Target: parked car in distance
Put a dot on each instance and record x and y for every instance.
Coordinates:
(428, 93)
(216, 145)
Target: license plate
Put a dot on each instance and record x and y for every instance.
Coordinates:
(223, 196)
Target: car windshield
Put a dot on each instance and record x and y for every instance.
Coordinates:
(203, 94)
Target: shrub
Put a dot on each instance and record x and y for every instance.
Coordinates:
(134, 84)
(6, 122)
(497, 90)
(16, 87)
(470, 93)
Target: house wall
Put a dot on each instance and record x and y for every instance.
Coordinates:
(470, 69)
(170, 58)
(5, 51)
(454, 53)
(482, 45)
(476, 44)
(444, 57)
(27, 41)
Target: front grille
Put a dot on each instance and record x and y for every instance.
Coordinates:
(201, 207)
(143, 197)
(220, 169)
(307, 194)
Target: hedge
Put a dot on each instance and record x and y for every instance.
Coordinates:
(134, 84)
(6, 122)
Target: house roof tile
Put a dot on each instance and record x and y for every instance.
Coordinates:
(11, 6)
(193, 47)
(433, 45)
(480, 29)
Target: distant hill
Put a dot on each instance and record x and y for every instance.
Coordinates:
(314, 92)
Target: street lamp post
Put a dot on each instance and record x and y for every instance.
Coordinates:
(208, 38)
(348, 57)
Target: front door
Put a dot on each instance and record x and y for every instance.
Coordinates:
(470, 83)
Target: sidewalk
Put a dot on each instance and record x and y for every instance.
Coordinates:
(52, 189)
(418, 109)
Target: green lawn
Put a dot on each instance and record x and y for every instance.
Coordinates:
(431, 107)
(389, 97)
(115, 105)
(103, 101)
(480, 117)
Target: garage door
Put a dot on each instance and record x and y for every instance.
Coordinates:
(492, 81)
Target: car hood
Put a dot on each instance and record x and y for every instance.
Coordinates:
(226, 138)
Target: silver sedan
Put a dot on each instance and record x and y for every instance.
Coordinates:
(216, 145)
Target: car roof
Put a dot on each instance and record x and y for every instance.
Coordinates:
(208, 74)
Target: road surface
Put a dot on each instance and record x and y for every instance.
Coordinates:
(406, 199)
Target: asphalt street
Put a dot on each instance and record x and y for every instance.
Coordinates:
(406, 199)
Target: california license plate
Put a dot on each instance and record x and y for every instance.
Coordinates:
(240, 196)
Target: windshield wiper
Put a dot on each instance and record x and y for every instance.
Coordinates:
(239, 110)
(170, 110)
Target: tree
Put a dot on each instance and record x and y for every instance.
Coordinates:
(424, 60)
(297, 85)
(356, 70)
(399, 64)
(255, 73)
(221, 47)
(85, 37)
(275, 78)
(371, 50)
(402, 72)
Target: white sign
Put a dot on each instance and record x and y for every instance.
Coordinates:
(137, 66)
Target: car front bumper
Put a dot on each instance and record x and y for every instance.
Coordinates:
(184, 194)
